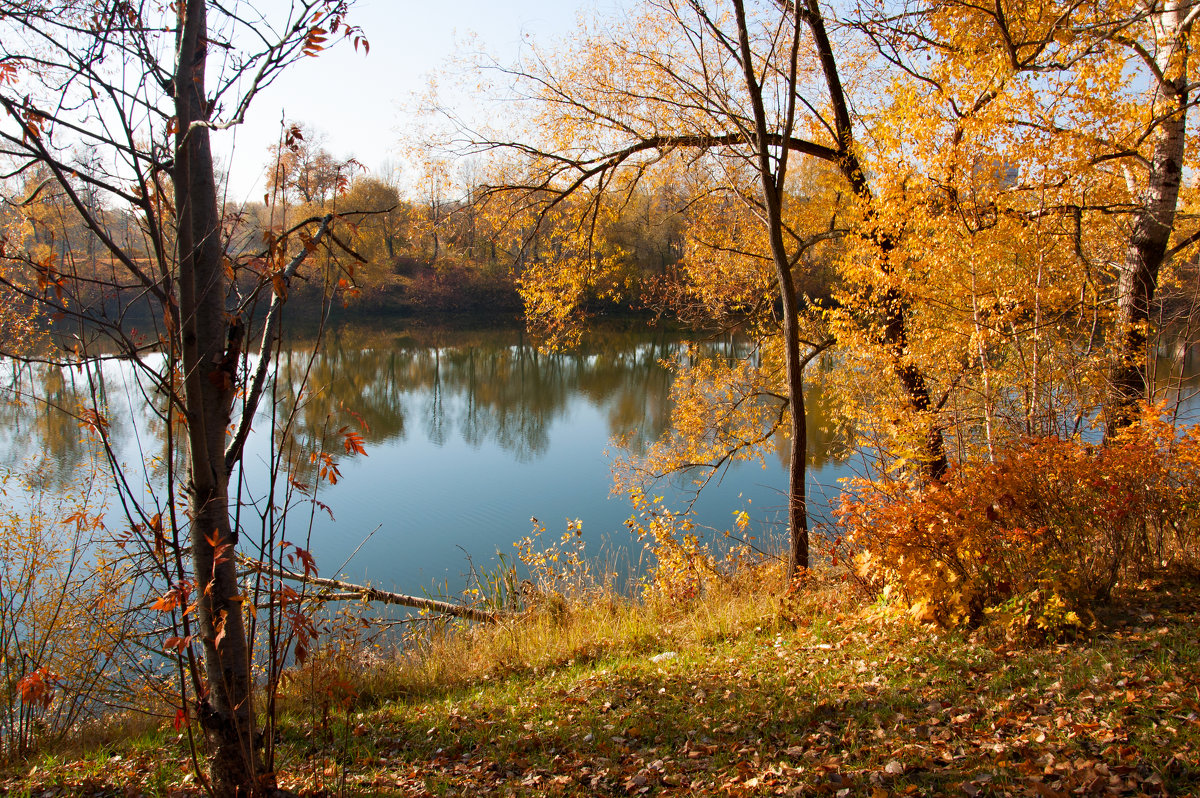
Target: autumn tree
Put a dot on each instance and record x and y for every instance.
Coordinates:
(380, 225)
(134, 85)
(301, 171)
(1081, 110)
(741, 92)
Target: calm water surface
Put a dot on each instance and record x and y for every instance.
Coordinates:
(469, 435)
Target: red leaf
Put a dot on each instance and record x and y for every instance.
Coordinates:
(306, 559)
(178, 644)
(38, 687)
(353, 442)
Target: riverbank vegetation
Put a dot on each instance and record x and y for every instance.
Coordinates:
(972, 227)
(738, 691)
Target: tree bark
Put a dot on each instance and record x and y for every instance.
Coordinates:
(210, 346)
(798, 556)
(773, 175)
(1153, 224)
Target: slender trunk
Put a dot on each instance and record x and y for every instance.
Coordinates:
(1034, 405)
(985, 372)
(210, 347)
(798, 558)
(772, 176)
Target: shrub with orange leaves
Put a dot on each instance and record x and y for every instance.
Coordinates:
(1046, 531)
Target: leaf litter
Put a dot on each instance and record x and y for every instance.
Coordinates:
(856, 705)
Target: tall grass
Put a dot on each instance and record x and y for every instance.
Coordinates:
(582, 621)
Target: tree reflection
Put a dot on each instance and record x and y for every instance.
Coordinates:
(492, 387)
(40, 414)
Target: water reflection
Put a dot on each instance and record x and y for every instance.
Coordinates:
(468, 435)
(39, 416)
(483, 388)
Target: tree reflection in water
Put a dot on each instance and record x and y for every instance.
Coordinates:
(484, 387)
(468, 434)
(489, 386)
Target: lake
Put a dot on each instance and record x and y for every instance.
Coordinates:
(468, 434)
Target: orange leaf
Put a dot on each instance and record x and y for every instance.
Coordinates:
(219, 628)
(166, 603)
(353, 442)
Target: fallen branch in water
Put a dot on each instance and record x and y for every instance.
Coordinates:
(350, 590)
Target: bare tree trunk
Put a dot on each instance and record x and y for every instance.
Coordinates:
(210, 347)
(798, 557)
(352, 591)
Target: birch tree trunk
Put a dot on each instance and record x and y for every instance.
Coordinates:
(1154, 219)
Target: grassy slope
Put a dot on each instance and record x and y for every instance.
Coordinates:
(844, 702)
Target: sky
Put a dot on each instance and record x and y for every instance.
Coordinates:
(364, 105)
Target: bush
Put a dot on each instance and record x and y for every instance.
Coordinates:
(66, 630)
(1044, 532)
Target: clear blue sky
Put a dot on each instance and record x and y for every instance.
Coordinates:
(364, 105)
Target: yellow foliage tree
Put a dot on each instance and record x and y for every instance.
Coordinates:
(1036, 154)
(739, 94)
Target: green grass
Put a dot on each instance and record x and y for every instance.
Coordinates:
(822, 698)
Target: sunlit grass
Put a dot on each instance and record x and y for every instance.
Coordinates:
(554, 630)
(735, 691)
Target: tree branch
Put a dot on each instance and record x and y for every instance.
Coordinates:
(250, 406)
(382, 596)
